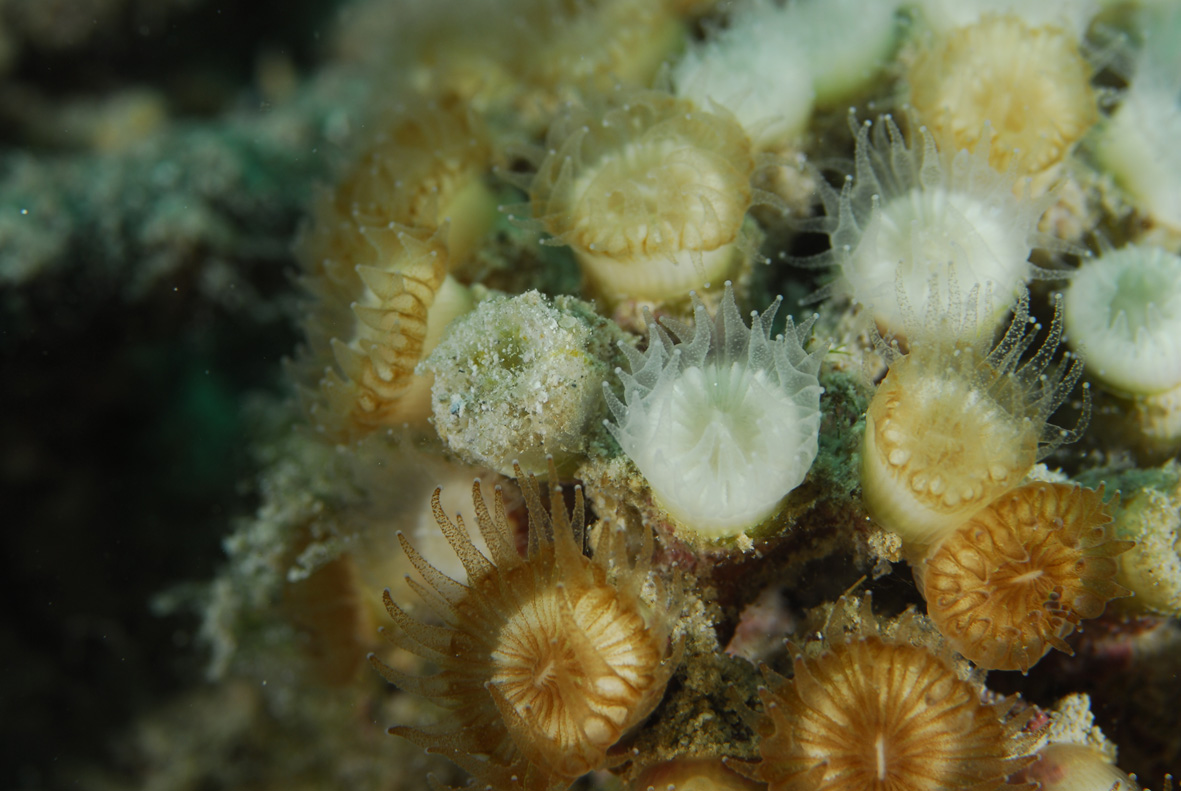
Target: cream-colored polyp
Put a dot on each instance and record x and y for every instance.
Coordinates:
(936, 452)
(959, 421)
(1138, 143)
(651, 194)
(756, 69)
(725, 424)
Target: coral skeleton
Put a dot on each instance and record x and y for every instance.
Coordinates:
(545, 659)
(721, 419)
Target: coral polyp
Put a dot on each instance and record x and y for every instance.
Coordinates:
(1124, 309)
(544, 260)
(957, 422)
(369, 346)
(1076, 767)
(1030, 84)
(913, 211)
(377, 260)
(651, 193)
(723, 421)
(869, 713)
(1018, 578)
(545, 659)
(1137, 143)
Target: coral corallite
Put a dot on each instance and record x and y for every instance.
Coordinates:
(651, 194)
(957, 423)
(1019, 576)
(868, 714)
(1031, 84)
(547, 659)
(914, 211)
(724, 423)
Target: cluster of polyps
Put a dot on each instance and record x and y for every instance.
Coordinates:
(377, 259)
(1008, 570)
(723, 422)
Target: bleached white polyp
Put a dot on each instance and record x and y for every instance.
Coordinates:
(1123, 310)
(911, 212)
(721, 419)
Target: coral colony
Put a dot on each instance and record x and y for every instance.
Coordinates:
(556, 256)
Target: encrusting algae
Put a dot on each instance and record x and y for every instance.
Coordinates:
(714, 487)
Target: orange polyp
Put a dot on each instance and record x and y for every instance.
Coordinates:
(1016, 580)
(545, 660)
(870, 713)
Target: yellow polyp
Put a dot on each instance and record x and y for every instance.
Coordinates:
(1030, 85)
(649, 191)
(935, 453)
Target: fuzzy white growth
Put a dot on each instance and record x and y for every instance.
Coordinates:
(722, 420)
(1123, 309)
(518, 379)
(910, 213)
(1139, 143)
